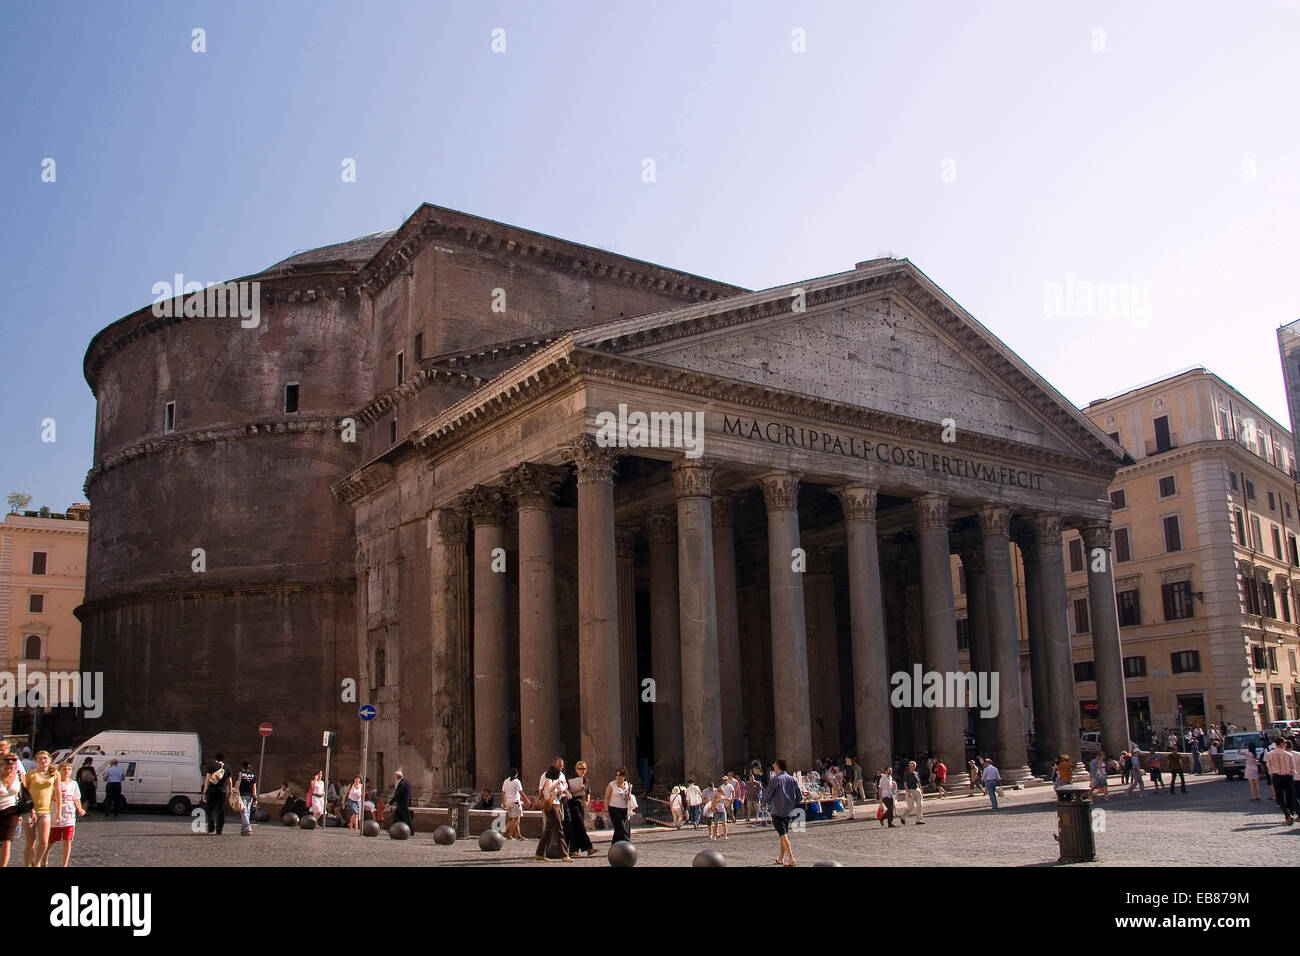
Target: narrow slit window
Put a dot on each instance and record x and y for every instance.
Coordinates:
(169, 417)
(291, 398)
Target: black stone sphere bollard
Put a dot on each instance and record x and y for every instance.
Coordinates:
(622, 853)
(399, 831)
(491, 840)
(444, 835)
(290, 819)
(709, 858)
(371, 828)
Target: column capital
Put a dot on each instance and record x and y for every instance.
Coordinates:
(1047, 530)
(995, 520)
(486, 506)
(724, 511)
(449, 523)
(780, 490)
(661, 527)
(625, 541)
(693, 477)
(1096, 534)
(857, 500)
(931, 512)
(595, 464)
(533, 486)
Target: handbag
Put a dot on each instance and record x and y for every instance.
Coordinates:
(234, 802)
(24, 803)
(545, 800)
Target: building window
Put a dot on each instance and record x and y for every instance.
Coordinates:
(1256, 536)
(1185, 662)
(1084, 671)
(1122, 550)
(1287, 506)
(1249, 595)
(1284, 600)
(1076, 554)
(1163, 440)
(1225, 430)
(1081, 616)
(1268, 606)
(392, 431)
(1261, 695)
(1277, 702)
(1261, 443)
(1117, 500)
(32, 647)
(36, 604)
(1290, 655)
(401, 374)
(291, 398)
(419, 346)
(1173, 537)
(169, 417)
(1250, 489)
(38, 561)
(1277, 541)
(963, 634)
(1167, 487)
(1292, 550)
(1239, 525)
(1272, 502)
(1232, 480)
(1258, 659)
(1177, 600)
(1272, 659)
(1130, 608)
(1135, 667)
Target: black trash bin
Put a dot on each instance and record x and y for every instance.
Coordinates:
(458, 804)
(1074, 817)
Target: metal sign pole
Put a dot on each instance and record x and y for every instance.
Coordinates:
(327, 765)
(365, 747)
(260, 761)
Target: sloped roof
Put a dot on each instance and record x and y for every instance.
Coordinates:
(352, 254)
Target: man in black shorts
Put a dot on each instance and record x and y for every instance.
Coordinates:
(782, 798)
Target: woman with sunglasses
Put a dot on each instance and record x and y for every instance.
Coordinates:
(616, 798)
(575, 826)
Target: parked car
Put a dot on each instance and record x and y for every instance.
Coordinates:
(1090, 743)
(162, 768)
(1235, 748)
(1283, 728)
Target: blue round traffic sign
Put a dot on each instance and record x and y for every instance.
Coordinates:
(367, 712)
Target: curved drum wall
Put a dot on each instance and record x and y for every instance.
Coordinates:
(267, 631)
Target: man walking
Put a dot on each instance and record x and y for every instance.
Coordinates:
(782, 798)
(113, 778)
(695, 803)
(855, 778)
(991, 778)
(401, 801)
(1135, 773)
(912, 788)
(1176, 771)
(87, 780)
(247, 797)
(887, 787)
(1282, 774)
(218, 788)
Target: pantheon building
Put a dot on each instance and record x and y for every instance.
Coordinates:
(535, 498)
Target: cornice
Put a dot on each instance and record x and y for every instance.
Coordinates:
(78, 529)
(353, 488)
(285, 426)
(429, 223)
(369, 413)
(217, 591)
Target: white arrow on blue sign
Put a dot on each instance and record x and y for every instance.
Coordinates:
(367, 712)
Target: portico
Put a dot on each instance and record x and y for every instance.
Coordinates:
(777, 567)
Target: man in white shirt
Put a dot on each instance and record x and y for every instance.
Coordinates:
(694, 802)
(991, 778)
(888, 788)
(1281, 772)
(728, 789)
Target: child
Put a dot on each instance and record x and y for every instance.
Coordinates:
(1155, 771)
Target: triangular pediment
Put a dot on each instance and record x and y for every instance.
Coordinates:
(883, 339)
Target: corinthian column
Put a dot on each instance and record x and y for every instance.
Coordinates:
(977, 630)
(1052, 603)
(665, 647)
(601, 721)
(823, 652)
(701, 703)
(945, 725)
(1107, 657)
(789, 640)
(491, 690)
(1004, 642)
(452, 727)
(729, 656)
(625, 542)
(867, 621)
(539, 646)
(1038, 655)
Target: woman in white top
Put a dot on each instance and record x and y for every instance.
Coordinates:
(352, 805)
(512, 800)
(316, 797)
(10, 787)
(616, 798)
(1252, 772)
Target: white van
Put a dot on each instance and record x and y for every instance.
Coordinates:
(162, 768)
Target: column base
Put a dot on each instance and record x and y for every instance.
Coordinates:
(1017, 775)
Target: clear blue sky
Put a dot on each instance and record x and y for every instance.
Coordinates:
(1169, 159)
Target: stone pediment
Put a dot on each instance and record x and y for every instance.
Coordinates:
(876, 339)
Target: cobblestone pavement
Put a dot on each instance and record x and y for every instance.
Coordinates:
(1215, 823)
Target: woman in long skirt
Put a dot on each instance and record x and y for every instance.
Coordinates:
(553, 829)
(575, 829)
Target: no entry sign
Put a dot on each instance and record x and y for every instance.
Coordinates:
(264, 730)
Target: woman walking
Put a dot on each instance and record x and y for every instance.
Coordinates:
(11, 786)
(65, 820)
(1097, 772)
(1252, 771)
(42, 784)
(512, 801)
(316, 797)
(553, 829)
(718, 823)
(575, 827)
(352, 804)
(616, 798)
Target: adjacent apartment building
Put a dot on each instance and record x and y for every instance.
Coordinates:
(42, 580)
(1206, 565)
